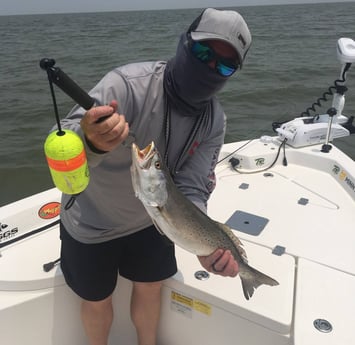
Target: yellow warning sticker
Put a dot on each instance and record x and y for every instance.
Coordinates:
(185, 304)
(182, 299)
(202, 307)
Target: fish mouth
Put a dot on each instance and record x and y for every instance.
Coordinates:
(144, 156)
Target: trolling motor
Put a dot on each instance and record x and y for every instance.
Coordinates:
(312, 130)
(64, 149)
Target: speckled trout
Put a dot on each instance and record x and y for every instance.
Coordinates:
(181, 221)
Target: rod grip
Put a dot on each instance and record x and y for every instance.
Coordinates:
(72, 89)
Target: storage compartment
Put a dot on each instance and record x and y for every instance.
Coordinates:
(325, 298)
(214, 310)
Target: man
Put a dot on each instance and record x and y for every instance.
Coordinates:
(106, 230)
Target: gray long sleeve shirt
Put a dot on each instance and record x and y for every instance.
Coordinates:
(108, 208)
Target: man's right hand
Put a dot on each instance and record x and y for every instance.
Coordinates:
(105, 134)
(220, 262)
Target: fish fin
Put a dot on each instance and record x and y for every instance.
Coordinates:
(235, 239)
(253, 279)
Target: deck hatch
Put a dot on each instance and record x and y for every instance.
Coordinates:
(248, 223)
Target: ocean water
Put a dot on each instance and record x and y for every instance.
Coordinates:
(291, 63)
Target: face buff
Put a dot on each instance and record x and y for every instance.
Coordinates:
(189, 83)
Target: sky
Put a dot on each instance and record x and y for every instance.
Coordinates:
(10, 7)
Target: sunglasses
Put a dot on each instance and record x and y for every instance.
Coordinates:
(225, 67)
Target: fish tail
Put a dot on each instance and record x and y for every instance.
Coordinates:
(253, 279)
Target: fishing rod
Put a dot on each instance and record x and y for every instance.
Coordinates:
(66, 84)
(64, 149)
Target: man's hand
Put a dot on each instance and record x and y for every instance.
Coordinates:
(220, 262)
(107, 133)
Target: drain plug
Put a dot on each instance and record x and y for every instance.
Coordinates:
(202, 275)
(323, 325)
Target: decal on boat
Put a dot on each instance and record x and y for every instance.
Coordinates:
(336, 169)
(6, 233)
(260, 161)
(50, 210)
(185, 305)
(343, 176)
(350, 183)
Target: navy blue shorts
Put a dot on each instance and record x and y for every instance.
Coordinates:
(91, 270)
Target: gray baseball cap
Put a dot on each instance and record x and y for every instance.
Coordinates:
(224, 25)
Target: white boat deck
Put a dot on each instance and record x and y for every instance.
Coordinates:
(309, 208)
(296, 223)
